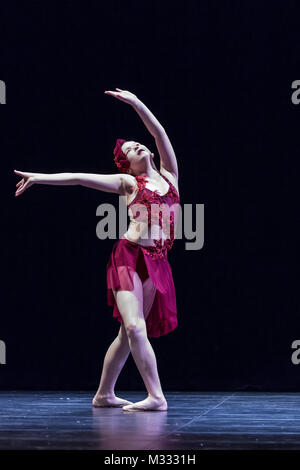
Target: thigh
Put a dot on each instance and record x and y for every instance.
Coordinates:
(141, 267)
(149, 291)
(130, 303)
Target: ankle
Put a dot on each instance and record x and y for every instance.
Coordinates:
(159, 396)
(105, 395)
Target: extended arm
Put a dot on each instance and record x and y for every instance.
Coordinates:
(116, 183)
(64, 179)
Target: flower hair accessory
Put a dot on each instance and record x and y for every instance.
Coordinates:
(120, 158)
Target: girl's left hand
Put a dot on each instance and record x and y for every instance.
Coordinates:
(123, 95)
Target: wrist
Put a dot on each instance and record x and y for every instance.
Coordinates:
(137, 103)
(34, 178)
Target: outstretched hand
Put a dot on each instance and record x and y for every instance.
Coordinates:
(123, 95)
(25, 183)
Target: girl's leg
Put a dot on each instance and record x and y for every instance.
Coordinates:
(114, 361)
(117, 355)
(130, 305)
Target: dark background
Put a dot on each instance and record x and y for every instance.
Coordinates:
(218, 76)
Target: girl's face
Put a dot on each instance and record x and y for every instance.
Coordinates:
(136, 153)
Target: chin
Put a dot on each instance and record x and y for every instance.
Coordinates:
(146, 154)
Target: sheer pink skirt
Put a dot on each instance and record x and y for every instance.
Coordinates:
(162, 318)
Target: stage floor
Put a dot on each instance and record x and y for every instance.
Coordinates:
(207, 420)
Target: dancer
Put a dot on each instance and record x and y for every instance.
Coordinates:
(140, 284)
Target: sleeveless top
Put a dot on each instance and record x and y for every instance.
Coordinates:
(152, 201)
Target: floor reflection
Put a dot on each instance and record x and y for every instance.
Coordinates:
(117, 429)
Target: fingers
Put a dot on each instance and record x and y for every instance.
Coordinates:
(21, 189)
(112, 93)
(20, 182)
(115, 94)
(118, 94)
(108, 91)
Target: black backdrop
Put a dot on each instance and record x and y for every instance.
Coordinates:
(218, 76)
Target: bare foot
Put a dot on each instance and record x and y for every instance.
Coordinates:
(149, 404)
(112, 401)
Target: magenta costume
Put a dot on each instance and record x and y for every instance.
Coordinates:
(147, 261)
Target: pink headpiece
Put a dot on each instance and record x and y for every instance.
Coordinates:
(121, 159)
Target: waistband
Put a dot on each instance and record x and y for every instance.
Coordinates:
(154, 251)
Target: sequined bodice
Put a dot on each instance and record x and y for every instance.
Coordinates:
(154, 202)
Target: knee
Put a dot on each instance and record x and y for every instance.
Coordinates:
(122, 335)
(136, 329)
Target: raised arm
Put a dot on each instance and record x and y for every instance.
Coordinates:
(168, 159)
(119, 183)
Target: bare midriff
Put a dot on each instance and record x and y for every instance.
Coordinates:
(139, 232)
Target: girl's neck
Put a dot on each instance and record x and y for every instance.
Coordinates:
(151, 171)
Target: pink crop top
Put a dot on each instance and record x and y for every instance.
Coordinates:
(150, 199)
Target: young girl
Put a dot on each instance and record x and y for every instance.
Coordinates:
(140, 284)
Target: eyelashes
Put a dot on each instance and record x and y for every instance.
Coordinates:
(130, 148)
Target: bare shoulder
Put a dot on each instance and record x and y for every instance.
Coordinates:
(170, 176)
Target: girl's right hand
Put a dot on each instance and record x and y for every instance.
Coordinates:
(25, 183)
